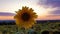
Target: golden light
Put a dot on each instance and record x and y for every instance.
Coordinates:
(39, 9)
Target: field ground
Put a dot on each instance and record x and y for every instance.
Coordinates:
(39, 27)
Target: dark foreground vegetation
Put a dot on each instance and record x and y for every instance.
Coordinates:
(41, 27)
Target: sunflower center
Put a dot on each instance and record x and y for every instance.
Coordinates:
(25, 16)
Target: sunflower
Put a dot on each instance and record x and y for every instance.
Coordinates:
(25, 17)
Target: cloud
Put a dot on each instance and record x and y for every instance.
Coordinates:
(6, 17)
(6, 14)
(56, 12)
(52, 3)
(50, 17)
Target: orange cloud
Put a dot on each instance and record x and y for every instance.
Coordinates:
(51, 17)
(6, 18)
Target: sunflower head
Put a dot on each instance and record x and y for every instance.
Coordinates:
(25, 17)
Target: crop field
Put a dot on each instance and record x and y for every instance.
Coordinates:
(48, 27)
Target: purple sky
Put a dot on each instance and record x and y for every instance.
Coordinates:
(6, 5)
(53, 4)
(56, 12)
(6, 14)
(12, 5)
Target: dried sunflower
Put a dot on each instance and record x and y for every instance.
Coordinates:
(25, 17)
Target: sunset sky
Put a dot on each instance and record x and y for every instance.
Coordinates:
(45, 9)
